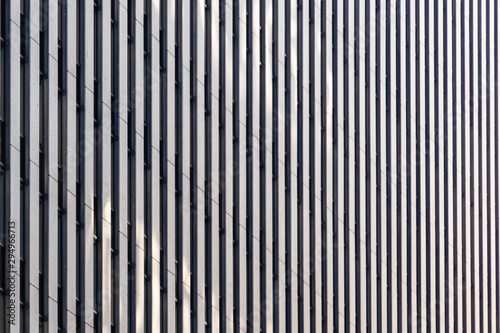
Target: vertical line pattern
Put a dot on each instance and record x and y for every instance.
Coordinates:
(178, 169)
(446, 246)
(488, 163)
(236, 165)
(132, 207)
(43, 161)
(462, 105)
(347, 324)
(5, 150)
(98, 322)
(378, 144)
(497, 199)
(25, 189)
(262, 164)
(436, 166)
(336, 268)
(488, 166)
(193, 170)
(357, 222)
(312, 166)
(249, 170)
(164, 188)
(304, 203)
(471, 162)
(418, 147)
(480, 166)
(368, 134)
(300, 168)
(275, 161)
(427, 169)
(388, 97)
(62, 169)
(398, 168)
(208, 165)
(148, 161)
(409, 164)
(115, 164)
(80, 152)
(288, 172)
(222, 166)
(455, 165)
(324, 295)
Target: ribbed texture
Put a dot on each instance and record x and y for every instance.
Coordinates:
(249, 166)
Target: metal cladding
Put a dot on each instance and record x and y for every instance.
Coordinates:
(249, 166)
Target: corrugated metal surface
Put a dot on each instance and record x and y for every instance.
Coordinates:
(237, 165)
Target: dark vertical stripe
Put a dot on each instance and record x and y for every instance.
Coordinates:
(357, 195)
(236, 164)
(324, 294)
(178, 168)
(5, 114)
(336, 309)
(471, 163)
(462, 132)
(222, 168)
(148, 205)
(80, 171)
(300, 164)
(488, 163)
(455, 170)
(497, 213)
(398, 169)
(378, 140)
(388, 97)
(347, 323)
(418, 200)
(208, 166)
(193, 167)
(25, 97)
(222, 165)
(275, 166)
(455, 165)
(98, 165)
(115, 167)
(4, 150)
(409, 163)
(368, 163)
(288, 173)
(446, 244)
(262, 163)
(480, 166)
(436, 166)
(312, 165)
(43, 158)
(249, 166)
(132, 210)
(427, 171)
(62, 301)
(164, 274)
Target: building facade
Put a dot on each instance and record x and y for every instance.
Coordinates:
(246, 166)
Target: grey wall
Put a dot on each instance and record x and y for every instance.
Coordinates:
(299, 166)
